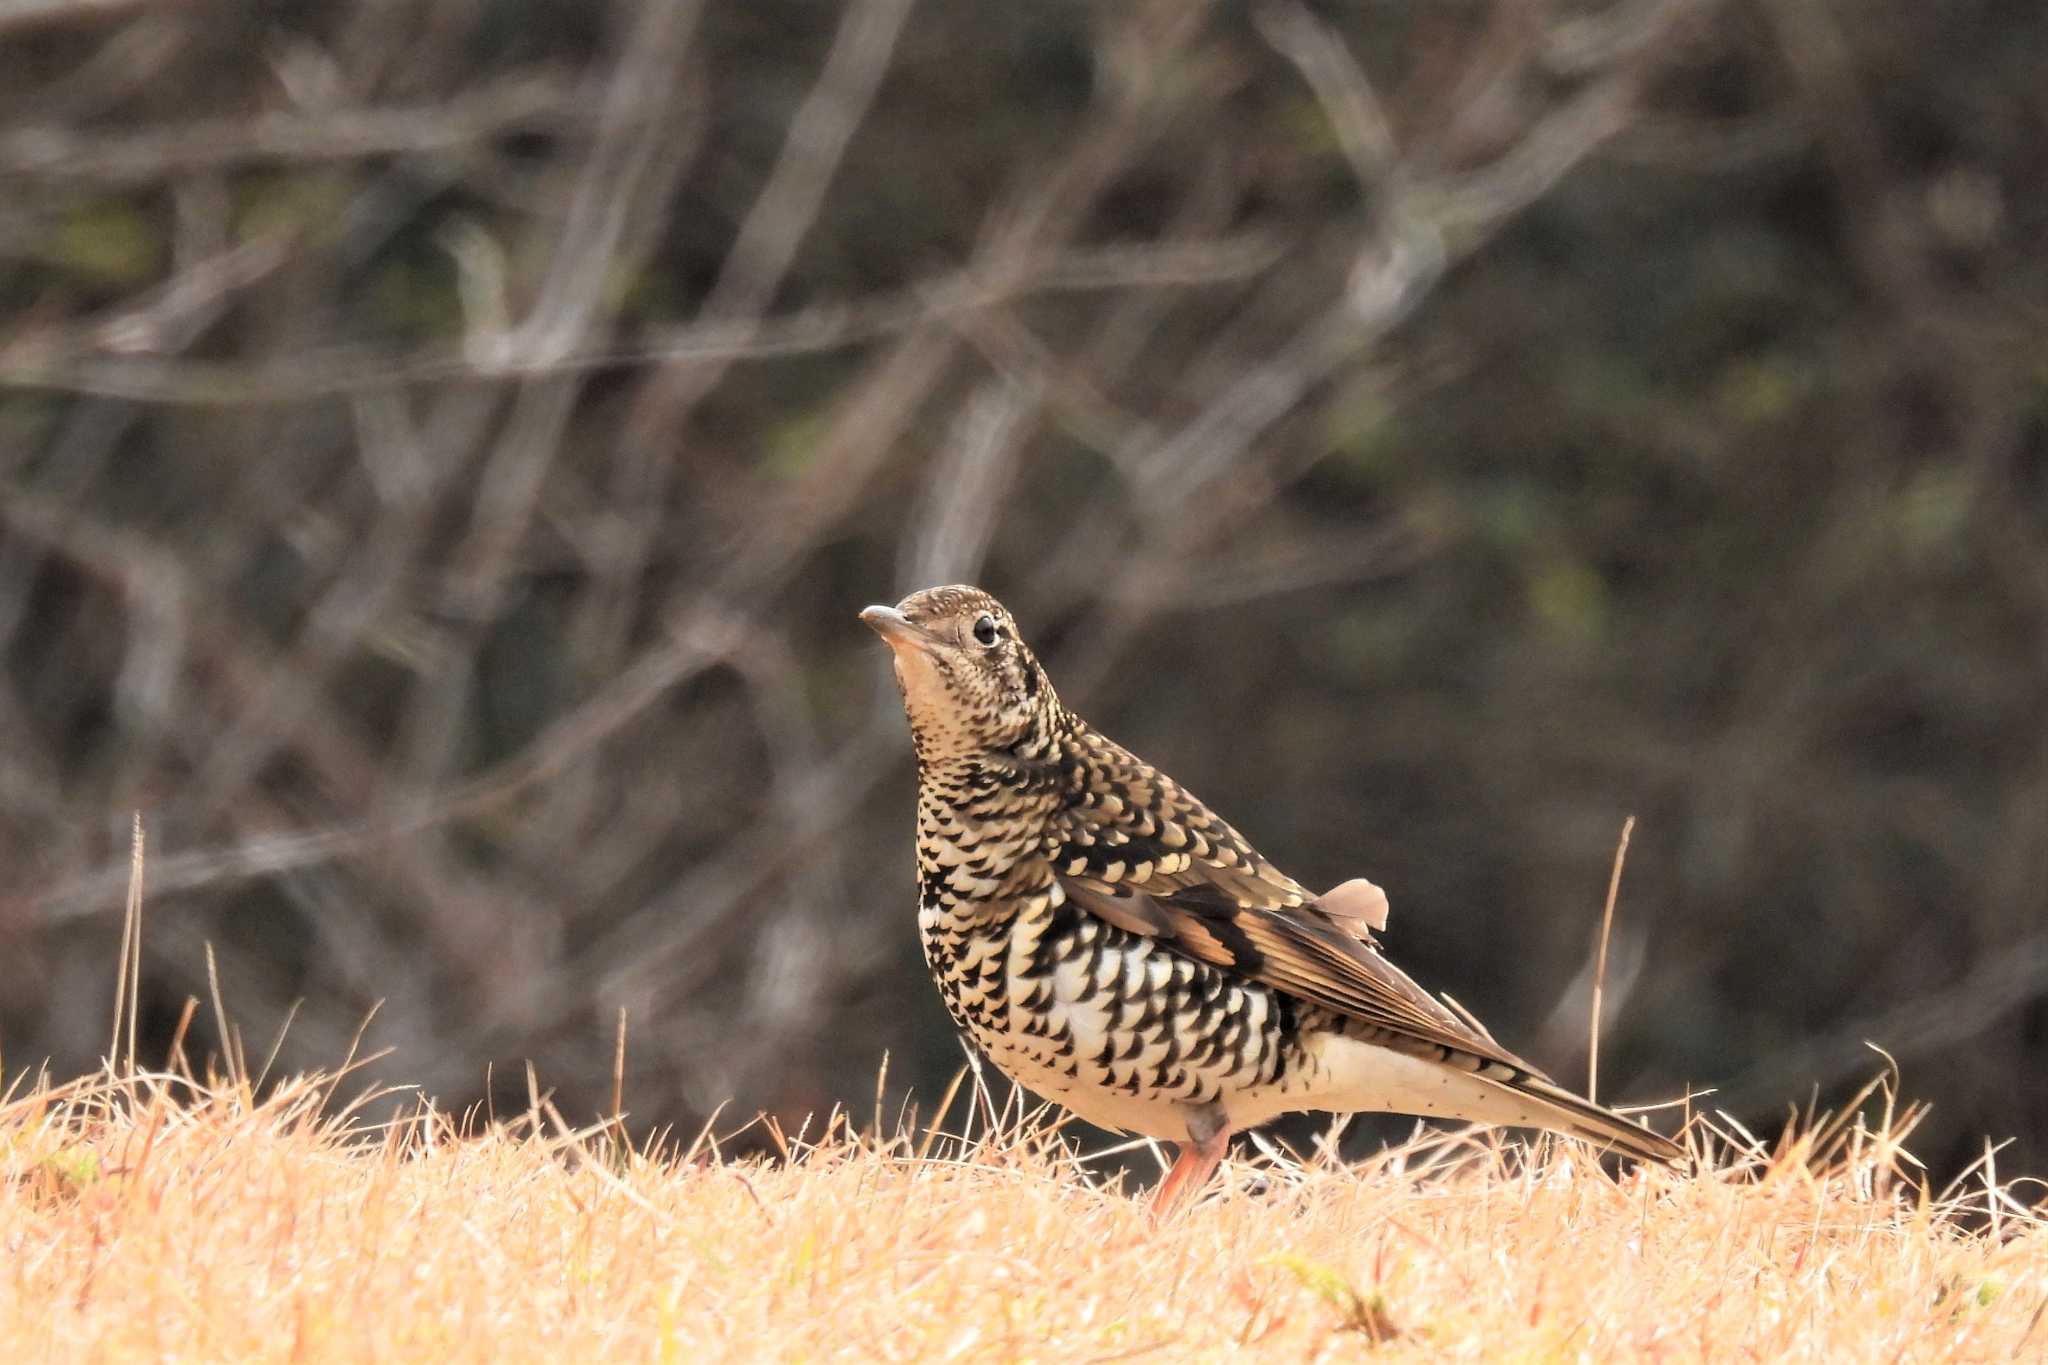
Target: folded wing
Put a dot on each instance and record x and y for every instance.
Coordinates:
(1142, 853)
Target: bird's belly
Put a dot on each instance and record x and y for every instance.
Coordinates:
(1151, 1113)
(1124, 1032)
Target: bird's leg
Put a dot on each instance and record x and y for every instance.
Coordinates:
(1208, 1139)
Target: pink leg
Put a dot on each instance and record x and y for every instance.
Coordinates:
(1191, 1170)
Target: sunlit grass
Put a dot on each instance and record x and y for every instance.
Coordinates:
(150, 1215)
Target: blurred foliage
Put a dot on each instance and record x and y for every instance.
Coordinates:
(1711, 486)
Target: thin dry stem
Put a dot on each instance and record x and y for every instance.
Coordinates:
(1628, 827)
(618, 1114)
(131, 933)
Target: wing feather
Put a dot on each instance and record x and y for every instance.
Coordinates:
(1142, 853)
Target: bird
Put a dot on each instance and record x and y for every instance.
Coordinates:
(1110, 943)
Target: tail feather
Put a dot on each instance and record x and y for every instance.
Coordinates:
(1361, 1075)
(1582, 1118)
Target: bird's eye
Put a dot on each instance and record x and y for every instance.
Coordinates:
(985, 629)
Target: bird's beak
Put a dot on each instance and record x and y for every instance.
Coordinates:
(896, 629)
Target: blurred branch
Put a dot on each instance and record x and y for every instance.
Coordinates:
(818, 136)
(130, 58)
(525, 101)
(967, 487)
(1425, 225)
(1303, 561)
(1475, 204)
(627, 960)
(627, 177)
(30, 14)
(626, 181)
(1347, 97)
(40, 360)
(151, 585)
(366, 586)
(1077, 401)
(1417, 228)
(643, 469)
(168, 317)
(569, 739)
(1623, 31)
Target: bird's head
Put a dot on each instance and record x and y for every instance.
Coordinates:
(970, 684)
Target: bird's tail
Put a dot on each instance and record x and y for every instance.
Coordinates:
(1565, 1112)
(1451, 1085)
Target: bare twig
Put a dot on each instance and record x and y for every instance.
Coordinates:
(1347, 97)
(42, 361)
(18, 15)
(639, 151)
(966, 490)
(527, 100)
(818, 136)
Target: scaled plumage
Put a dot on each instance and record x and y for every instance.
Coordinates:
(1112, 944)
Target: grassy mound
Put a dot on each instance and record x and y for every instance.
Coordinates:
(154, 1215)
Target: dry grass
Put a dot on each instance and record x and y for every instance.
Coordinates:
(155, 1215)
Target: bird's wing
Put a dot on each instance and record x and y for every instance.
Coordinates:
(1136, 849)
